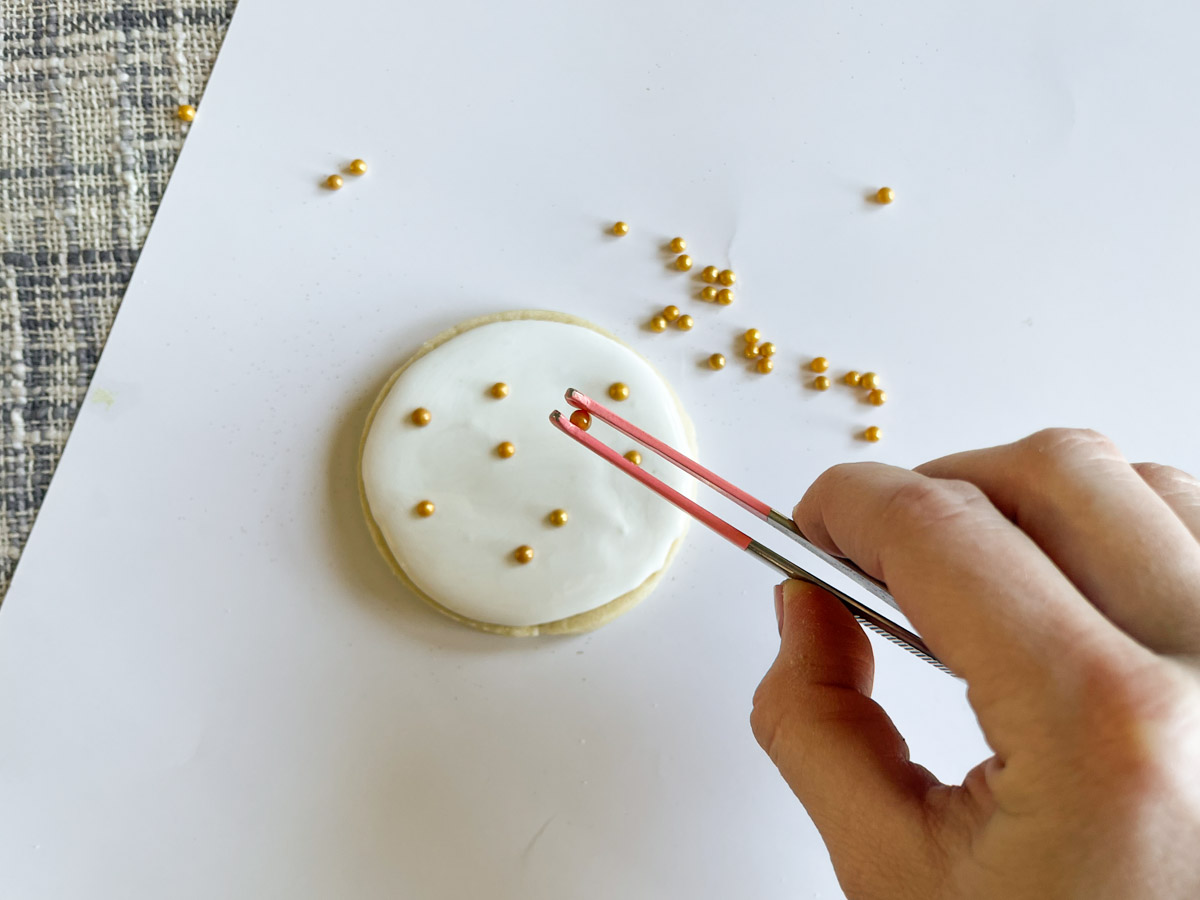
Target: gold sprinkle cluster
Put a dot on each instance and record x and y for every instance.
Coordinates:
(355, 167)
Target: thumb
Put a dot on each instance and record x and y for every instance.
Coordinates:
(835, 747)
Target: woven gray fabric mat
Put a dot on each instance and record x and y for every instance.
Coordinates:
(88, 137)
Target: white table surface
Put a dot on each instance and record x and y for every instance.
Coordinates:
(211, 685)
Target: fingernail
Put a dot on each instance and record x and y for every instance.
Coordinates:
(779, 607)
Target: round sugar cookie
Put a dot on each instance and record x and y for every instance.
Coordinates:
(490, 500)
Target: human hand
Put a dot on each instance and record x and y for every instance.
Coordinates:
(1063, 584)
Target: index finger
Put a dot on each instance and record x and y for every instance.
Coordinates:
(984, 596)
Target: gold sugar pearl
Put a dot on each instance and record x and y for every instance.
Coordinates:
(820, 364)
(677, 245)
(658, 323)
(670, 313)
(709, 293)
(726, 277)
(752, 336)
(499, 390)
(634, 457)
(685, 323)
(620, 229)
(506, 449)
(581, 419)
(751, 351)
(709, 274)
(558, 518)
(724, 296)
(852, 378)
(765, 365)
(767, 349)
(425, 509)
(421, 416)
(872, 434)
(716, 361)
(186, 112)
(821, 383)
(683, 263)
(869, 380)
(334, 182)
(523, 554)
(618, 390)
(885, 195)
(357, 167)
(877, 397)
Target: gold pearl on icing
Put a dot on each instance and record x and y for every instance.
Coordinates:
(852, 378)
(658, 323)
(709, 274)
(685, 323)
(618, 390)
(766, 349)
(752, 336)
(708, 292)
(421, 416)
(634, 457)
(620, 229)
(334, 182)
(877, 397)
(819, 364)
(872, 434)
(724, 296)
(764, 365)
(821, 383)
(506, 449)
(523, 554)
(683, 262)
(869, 380)
(751, 351)
(558, 518)
(357, 167)
(670, 313)
(677, 245)
(186, 111)
(885, 195)
(581, 419)
(425, 509)
(726, 277)
(499, 390)
(716, 361)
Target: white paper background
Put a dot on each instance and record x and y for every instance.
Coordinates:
(210, 685)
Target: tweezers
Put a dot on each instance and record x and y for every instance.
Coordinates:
(868, 617)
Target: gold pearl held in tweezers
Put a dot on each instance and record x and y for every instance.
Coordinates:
(620, 229)
(724, 296)
(425, 509)
(670, 313)
(186, 112)
(658, 323)
(581, 419)
(726, 277)
(821, 383)
(885, 195)
(523, 554)
(618, 390)
(764, 365)
(506, 449)
(819, 364)
(357, 167)
(872, 434)
(634, 457)
(685, 323)
(677, 245)
(334, 182)
(421, 417)
(683, 262)
(877, 397)
(716, 361)
(499, 390)
(709, 274)
(558, 518)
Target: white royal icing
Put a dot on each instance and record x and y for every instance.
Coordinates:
(619, 533)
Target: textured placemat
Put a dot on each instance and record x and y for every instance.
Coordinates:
(88, 136)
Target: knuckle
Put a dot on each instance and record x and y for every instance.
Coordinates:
(932, 502)
(1165, 479)
(1058, 444)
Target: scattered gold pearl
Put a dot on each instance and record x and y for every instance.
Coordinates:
(618, 390)
(877, 397)
(724, 296)
(506, 449)
(357, 167)
(558, 518)
(425, 509)
(658, 323)
(523, 554)
(581, 419)
(334, 182)
(869, 380)
(872, 434)
(677, 245)
(620, 229)
(765, 365)
(709, 274)
(634, 457)
(884, 195)
(683, 263)
(767, 349)
(499, 390)
(716, 361)
(421, 416)
(726, 277)
(685, 323)
(752, 336)
(751, 351)
(821, 383)
(186, 111)
(709, 293)
(671, 313)
(852, 378)
(820, 364)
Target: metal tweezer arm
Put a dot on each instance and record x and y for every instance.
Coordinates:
(869, 618)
